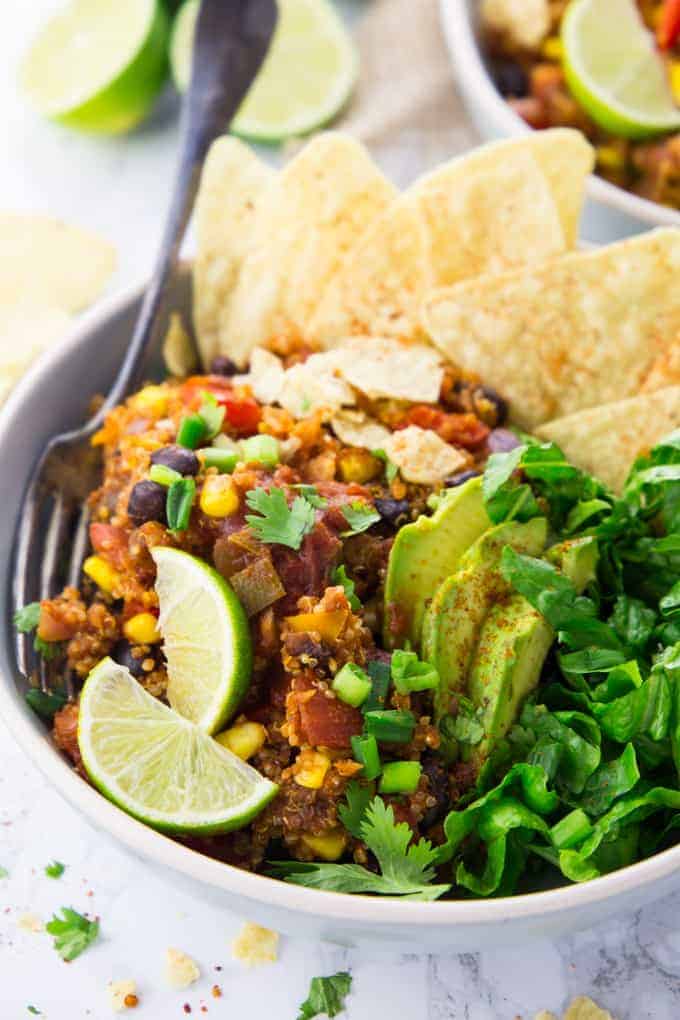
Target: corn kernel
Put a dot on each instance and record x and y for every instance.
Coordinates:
(101, 572)
(552, 48)
(328, 847)
(610, 157)
(219, 496)
(142, 629)
(328, 625)
(311, 768)
(243, 739)
(675, 79)
(153, 399)
(359, 466)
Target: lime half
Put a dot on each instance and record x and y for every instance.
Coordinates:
(98, 65)
(159, 767)
(614, 70)
(206, 639)
(306, 79)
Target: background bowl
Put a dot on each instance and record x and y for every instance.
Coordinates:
(54, 396)
(610, 212)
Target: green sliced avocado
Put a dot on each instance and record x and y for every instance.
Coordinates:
(455, 615)
(424, 554)
(513, 644)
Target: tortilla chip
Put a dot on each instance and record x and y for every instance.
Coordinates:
(422, 456)
(604, 441)
(566, 159)
(588, 329)
(354, 428)
(26, 330)
(265, 376)
(391, 370)
(584, 1008)
(232, 183)
(49, 263)
(310, 218)
(483, 212)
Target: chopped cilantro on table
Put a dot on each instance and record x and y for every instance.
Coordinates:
(360, 517)
(276, 522)
(55, 869)
(326, 996)
(34, 1010)
(72, 932)
(4, 873)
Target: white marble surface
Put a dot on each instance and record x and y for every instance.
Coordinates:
(631, 966)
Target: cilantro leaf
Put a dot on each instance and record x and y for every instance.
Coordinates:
(326, 995)
(407, 869)
(4, 873)
(55, 869)
(340, 577)
(72, 932)
(45, 703)
(352, 813)
(360, 517)
(312, 496)
(34, 1010)
(27, 618)
(278, 523)
(391, 469)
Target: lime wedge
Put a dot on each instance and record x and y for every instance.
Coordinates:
(614, 70)
(158, 766)
(98, 65)
(306, 79)
(206, 639)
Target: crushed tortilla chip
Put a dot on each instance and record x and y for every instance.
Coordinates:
(265, 376)
(354, 428)
(584, 1008)
(383, 368)
(180, 970)
(313, 385)
(255, 945)
(179, 354)
(422, 456)
(122, 995)
(30, 923)
(46, 262)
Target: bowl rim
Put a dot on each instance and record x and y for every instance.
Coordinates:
(153, 846)
(470, 70)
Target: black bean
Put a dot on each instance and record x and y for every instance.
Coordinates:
(179, 458)
(502, 440)
(391, 510)
(485, 396)
(511, 79)
(463, 476)
(147, 502)
(221, 365)
(438, 782)
(122, 654)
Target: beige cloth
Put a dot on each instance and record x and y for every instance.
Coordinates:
(406, 108)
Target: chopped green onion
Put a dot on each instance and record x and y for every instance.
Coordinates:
(192, 431)
(261, 449)
(212, 415)
(365, 751)
(224, 460)
(163, 475)
(379, 673)
(400, 777)
(390, 726)
(571, 829)
(352, 685)
(179, 502)
(409, 674)
(340, 577)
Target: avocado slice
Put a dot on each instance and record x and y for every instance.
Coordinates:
(424, 554)
(513, 644)
(453, 619)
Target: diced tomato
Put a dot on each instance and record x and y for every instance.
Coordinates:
(669, 26)
(194, 387)
(459, 429)
(242, 413)
(110, 542)
(324, 721)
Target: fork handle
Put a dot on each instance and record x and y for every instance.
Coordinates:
(238, 45)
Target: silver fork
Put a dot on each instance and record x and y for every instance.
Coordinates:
(231, 41)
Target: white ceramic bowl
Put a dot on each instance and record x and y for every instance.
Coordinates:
(610, 212)
(55, 396)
